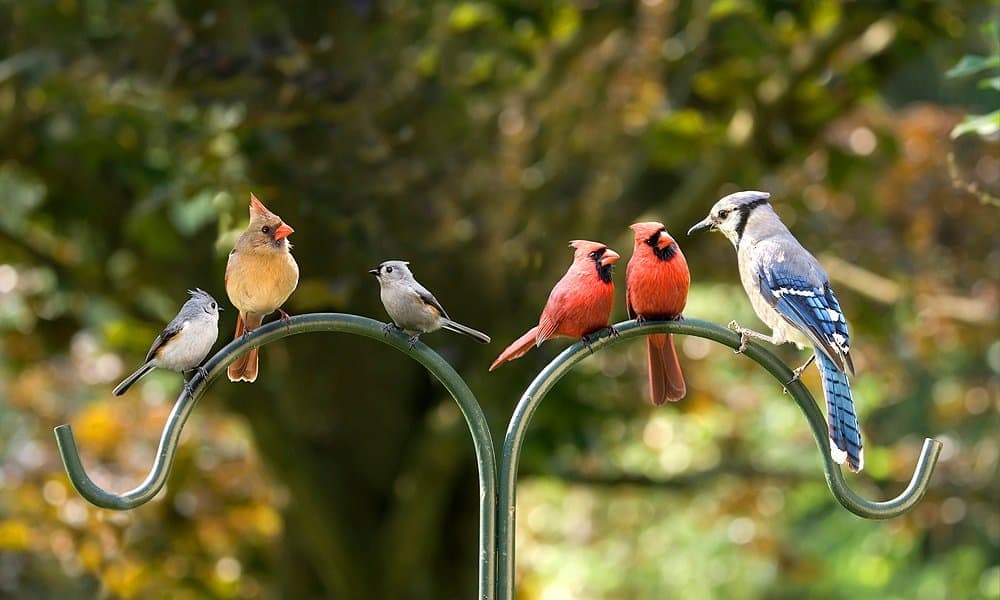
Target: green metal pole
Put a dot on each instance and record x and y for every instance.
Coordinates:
(547, 378)
(309, 323)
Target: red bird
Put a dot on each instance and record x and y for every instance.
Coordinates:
(578, 305)
(656, 287)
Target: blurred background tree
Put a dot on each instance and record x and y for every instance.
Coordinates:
(474, 139)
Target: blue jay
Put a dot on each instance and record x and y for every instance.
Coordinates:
(791, 293)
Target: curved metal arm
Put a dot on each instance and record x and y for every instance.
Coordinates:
(330, 322)
(547, 378)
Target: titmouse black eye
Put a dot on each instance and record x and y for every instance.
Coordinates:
(214, 306)
(265, 229)
(723, 214)
(388, 269)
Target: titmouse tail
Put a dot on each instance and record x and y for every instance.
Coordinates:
(123, 387)
(666, 381)
(244, 368)
(518, 349)
(459, 328)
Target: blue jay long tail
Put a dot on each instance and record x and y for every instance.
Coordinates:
(845, 433)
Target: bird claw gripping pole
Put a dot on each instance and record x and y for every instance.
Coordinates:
(320, 322)
(562, 364)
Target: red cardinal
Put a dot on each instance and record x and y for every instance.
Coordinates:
(578, 305)
(656, 287)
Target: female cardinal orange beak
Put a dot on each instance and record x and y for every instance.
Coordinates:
(283, 231)
(609, 257)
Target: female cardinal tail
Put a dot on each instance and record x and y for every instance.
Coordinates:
(666, 381)
(518, 349)
(244, 368)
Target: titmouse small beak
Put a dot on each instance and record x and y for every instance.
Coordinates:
(283, 231)
(610, 257)
(702, 225)
(374, 272)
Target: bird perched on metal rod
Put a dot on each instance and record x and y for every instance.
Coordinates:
(411, 307)
(260, 275)
(184, 342)
(578, 305)
(656, 287)
(791, 293)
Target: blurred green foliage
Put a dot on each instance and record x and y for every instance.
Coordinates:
(474, 139)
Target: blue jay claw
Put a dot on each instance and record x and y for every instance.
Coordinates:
(797, 373)
(744, 336)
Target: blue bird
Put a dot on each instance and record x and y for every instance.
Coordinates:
(791, 293)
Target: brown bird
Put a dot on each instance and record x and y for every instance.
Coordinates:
(578, 305)
(656, 287)
(260, 275)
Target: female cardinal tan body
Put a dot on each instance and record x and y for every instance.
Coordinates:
(260, 275)
(656, 287)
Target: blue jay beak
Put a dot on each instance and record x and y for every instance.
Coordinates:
(702, 225)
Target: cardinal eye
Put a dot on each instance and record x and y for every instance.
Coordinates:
(265, 229)
(723, 214)
(388, 269)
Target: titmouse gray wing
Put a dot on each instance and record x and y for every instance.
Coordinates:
(169, 332)
(429, 299)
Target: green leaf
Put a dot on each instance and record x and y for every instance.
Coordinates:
(983, 125)
(973, 63)
(992, 83)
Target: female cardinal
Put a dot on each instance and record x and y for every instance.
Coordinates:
(578, 305)
(260, 275)
(656, 287)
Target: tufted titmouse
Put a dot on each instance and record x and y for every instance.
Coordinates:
(411, 307)
(260, 275)
(184, 342)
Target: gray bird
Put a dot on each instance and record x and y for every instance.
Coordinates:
(184, 342)
(791, 292)
(411, 307)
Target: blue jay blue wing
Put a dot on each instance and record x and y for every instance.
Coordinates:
(169, 332)
(429, 299)
(845, 433)
(812, 309)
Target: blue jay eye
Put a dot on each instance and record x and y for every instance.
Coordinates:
(265, 229)
(723, 214)
(388, 269)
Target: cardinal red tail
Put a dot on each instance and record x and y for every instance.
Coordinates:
(518, 349)
(666, 381)
(244, 368)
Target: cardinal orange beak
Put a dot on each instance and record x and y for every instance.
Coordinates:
(283, 231)
(610, 257)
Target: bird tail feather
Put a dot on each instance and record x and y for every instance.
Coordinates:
(479, 336)
(845, 433)
(123, 387)
(518, 349)
(666, 380)
(244, 368)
